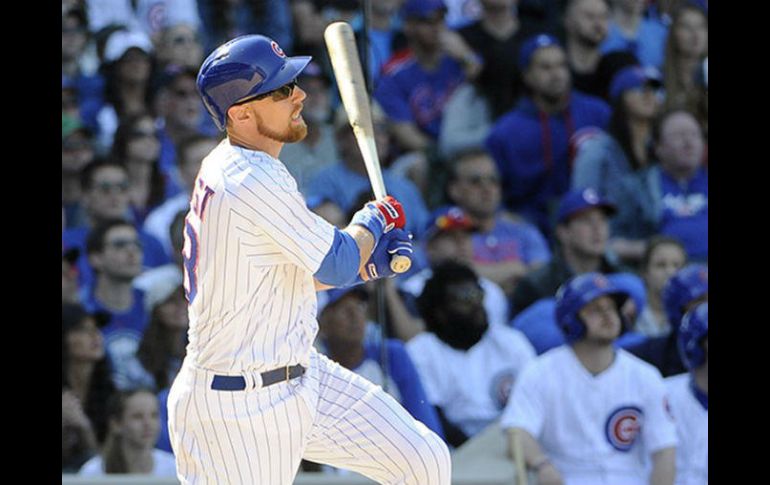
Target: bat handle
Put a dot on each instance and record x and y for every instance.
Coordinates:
(400, 264)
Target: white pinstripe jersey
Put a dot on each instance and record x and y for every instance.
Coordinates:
(251, 249)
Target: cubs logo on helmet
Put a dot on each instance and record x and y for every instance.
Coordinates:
(576, 293)
(623, 427)
(243, 68)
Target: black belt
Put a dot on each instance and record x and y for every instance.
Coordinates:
(238, 383)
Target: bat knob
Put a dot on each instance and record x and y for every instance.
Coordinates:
(400, 264)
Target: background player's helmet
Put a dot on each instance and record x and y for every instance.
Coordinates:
(694, 328)
(243, 68)
(577, 293)
(688, 284)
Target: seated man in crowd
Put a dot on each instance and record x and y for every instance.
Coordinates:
(587, 413)
(468, 366)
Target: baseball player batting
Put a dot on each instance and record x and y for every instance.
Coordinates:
(253, 397)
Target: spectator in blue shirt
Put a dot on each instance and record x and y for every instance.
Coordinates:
(531, 144)
(632, 30)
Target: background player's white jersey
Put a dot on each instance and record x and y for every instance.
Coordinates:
(692, 429)
(471, 387)
(596, 429)
(251, 249)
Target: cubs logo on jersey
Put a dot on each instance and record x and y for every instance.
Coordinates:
(500, 387)
(623, 427)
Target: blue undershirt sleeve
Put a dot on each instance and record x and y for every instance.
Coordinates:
(340, 265)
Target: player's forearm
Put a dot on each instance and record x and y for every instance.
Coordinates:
(663, 467)
(364, 240)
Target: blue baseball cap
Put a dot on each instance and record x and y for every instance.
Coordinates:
(579, 200)
(532, 44)
(633, 77)
(421, 8)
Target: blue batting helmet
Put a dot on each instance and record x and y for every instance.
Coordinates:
(695, 326)
(688, 284)
(243, 68)
(577, 293)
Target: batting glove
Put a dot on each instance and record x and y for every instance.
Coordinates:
(395, 242)
(381, 216)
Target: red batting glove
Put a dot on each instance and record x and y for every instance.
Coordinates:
(393, 212)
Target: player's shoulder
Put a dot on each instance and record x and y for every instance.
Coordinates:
(637, 366)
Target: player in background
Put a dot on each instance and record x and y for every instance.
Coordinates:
(253, 397)
(689, 398)
(587, 413)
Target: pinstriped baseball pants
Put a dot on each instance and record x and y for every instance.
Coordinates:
(330, 415)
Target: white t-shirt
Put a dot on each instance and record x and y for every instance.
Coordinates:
(596, 429)
(692, 429)
(471, 387)
(163, 465)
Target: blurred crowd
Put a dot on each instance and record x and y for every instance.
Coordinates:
(532, 143)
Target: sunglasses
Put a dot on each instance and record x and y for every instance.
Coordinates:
(278, 94)
(125, 243)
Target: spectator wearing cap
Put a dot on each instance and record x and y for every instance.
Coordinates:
(466, 363)
(342, 182)
(343, 338)
(85, 372)
(77, 151)
(115, 253)
(106, 197)
(585, 23)
(318, 149)
(447, 237)
(582, 232)
(631, 29)
(531, 144)
(612, 162)
(683, 291)
(417, 82)
(126, 66)
(673, 199)
(190, 155)
(505, 247)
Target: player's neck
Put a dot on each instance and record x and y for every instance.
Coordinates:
(256, 143)
(701, 377)
(595, 357)
(116, 295)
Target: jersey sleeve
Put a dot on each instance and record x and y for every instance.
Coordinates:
(659, 430)
(526, 406)
(275, 206)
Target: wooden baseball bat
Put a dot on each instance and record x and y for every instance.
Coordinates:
(518, 458)
(341, 44)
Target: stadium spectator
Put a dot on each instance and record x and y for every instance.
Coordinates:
(631, 29)
(80, 65)
(223, 20)
(466, 365)
(585, 23)
(416, 83)
(505, 248)
(178, 46)
(77, 151)
(582, 232)
(611, 162)
(531, 144)
(85, 369)
(115, 253)
(78, 442)
(385, 36)
(133, 428)
(662, 258)
(146, 16)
